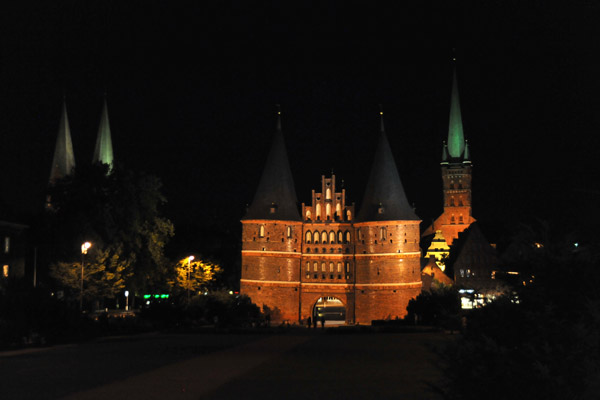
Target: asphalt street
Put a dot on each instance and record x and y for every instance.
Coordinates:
(305, 365)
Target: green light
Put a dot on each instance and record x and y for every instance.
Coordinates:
(456, 140)
(147, 296)
(156, 296)
(164, 296)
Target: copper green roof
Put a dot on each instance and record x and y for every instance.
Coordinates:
(63, 162)
(456, 139)
(275, 198)
(103, 151)
(384, 198)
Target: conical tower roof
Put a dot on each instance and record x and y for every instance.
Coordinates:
(103, 152)
(384, 198)
(275, 198)
(456, 138)
(63, 162)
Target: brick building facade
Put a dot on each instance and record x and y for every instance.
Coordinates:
(322, 259)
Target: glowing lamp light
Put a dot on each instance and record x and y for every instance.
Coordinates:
(85, 247)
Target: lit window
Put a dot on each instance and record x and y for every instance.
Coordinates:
(308, 214)
(323, 237)
(315, 267)
(339, 267)
(6, 245)
(383, 232)
(289, 231)
(322, 267)
(5, 271)
(261, 231)
(347, 267)
(340, 237)
(308, 266)
(347, 237)
(332, 237)
(308, 237)
(328, 194)
(348, 215)
(330, 267)
(328, 210)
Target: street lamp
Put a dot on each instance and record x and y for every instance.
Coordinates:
(84, 250)
(127, 300)
(190, 258)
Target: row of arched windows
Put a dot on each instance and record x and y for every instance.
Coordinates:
(332, 267)
(324, 237)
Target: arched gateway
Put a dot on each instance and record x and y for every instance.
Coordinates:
(331, 309)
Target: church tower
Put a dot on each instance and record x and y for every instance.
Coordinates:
(103, 152)
(456, 176)
(63, 161)
(387, 253)
(272, 238)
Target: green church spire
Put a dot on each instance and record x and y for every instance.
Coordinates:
(103, 153)
(63, 162)
(456, 139)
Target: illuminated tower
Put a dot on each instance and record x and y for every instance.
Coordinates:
(387, 253)
(103, 152)
(272, 238)
(456, 177)
(63, 162)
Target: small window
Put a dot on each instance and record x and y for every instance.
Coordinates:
(308, 266)
(322, 267)
(5, 270)
(330, 267)
(323, 237)
(6, 244)
(289, 231)
(261, 231)
(315, 267)
(308, 215)
(383, 232)
(308, 236)
(339, 267)
(347, 267)
(328, 193)
(348, 215)
(347, 237)
(332, 237)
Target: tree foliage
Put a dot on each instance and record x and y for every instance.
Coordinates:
(119, 214)
(104, 274)
(195, 275)
(546, 345)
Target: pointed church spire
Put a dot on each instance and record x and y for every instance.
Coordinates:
(384, 198)
(456, 140)
(103, 153)
(63, 162)
(275, 198)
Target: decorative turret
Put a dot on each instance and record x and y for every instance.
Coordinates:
(63, 162)
(384, 198)
(103, 152)
(275, 198)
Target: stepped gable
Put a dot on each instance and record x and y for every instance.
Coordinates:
(384, 198)
(275, 198)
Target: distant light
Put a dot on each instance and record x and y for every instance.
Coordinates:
(231, 292)
(576, 244)
(191, 258)
(127, 293)
(148, 303)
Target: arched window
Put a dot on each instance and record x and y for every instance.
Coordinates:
(308, 214)
(347, 267)
(338, 210)
(328, 210)
(315, 266)
(328, 194)
(261, 231)
(318, 211)
(340, 237)
(308, 266)
(316, 237)
(308, 237)
(330, 267)
(359, 234)
(383, 232)
(347, 238)
(339, 267)
(332, 237)
(289, 231)
(323, 237)
(348, 215)
(322, 267)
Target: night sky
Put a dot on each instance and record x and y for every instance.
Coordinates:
(192, 92)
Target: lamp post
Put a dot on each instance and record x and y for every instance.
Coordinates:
(189, 259)
(127, 300)
(84, 250)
